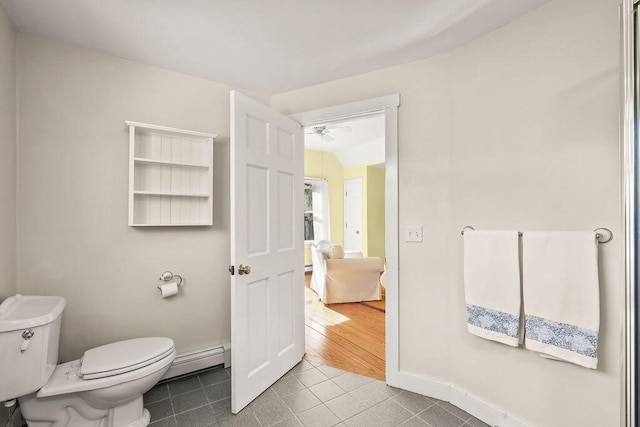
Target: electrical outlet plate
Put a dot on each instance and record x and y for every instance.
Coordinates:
(413, 233)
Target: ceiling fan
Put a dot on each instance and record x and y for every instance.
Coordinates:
(324, 131)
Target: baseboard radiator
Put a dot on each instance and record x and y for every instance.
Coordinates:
(193, 361)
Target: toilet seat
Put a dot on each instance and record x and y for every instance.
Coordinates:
(123, 356)
(66, 377)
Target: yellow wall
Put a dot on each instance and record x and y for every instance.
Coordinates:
(375, 212)
(326, 165)
(372, 207)
(355, 172)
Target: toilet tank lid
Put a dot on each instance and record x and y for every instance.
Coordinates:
(123, 356)
(28, 311)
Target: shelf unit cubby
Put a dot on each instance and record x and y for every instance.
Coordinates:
(170, 176)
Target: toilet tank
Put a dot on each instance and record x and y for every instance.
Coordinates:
(27, 364)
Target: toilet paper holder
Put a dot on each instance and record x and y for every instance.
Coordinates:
(167, 276)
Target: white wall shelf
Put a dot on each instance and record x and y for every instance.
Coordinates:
(170, 176)
(174, 194)
(164, 162)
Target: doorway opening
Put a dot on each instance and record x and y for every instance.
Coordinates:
(351, 236)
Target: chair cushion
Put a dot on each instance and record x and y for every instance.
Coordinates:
(336, 252)
(324, 246)
(353, 254)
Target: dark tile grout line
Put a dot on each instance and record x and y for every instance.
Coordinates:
(463, 422)
(202, 387)
(416, 415)
(323, 403)
(178, 413)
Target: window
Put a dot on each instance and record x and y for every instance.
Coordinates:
(308, 212)
(316, 210)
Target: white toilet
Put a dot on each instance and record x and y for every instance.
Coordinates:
(103, 389)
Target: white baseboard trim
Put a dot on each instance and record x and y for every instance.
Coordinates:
(477, 407)
(483, 410)
(416, 384)
(193, 361)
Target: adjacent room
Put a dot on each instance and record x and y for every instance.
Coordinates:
(344, 239)
(262, 213)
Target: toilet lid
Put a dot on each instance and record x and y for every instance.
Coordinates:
(124, 356)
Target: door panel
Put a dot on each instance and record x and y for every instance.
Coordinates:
(257, 330)
(267, 304)
(257, 134)
(257, 205)
(286, 142)
(286, 313)
(286, 211)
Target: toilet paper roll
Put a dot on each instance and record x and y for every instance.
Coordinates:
(168, 289)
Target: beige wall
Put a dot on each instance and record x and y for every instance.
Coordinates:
(73, 238)
(7, 164)
(7, 156)
(518, 129)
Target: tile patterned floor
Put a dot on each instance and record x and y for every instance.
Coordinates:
(308, 395)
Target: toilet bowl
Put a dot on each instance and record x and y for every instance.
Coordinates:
(102, 389)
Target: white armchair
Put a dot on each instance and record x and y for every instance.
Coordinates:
(338, 279)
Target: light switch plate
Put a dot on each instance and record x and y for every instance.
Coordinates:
(413, 233)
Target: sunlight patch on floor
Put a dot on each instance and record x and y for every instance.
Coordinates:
(319, 312)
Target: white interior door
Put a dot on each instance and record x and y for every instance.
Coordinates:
(353, 214)
(267, 303)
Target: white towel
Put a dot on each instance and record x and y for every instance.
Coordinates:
(561, 296)
(492, 285)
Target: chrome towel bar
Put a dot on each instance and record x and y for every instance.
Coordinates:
(603, 235)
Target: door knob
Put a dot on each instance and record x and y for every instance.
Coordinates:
(244, 269)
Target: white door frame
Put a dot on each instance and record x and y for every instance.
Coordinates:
(389, 104)
(628, 133)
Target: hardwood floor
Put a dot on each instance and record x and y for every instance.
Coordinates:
(350, 337)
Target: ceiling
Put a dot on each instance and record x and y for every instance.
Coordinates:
(267, 46)
(356, 141)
